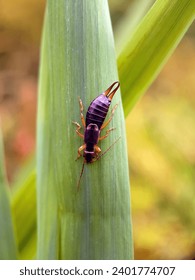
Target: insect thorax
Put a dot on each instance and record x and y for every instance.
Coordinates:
(91, 134)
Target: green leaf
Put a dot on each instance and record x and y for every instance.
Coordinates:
(124, 29)
(151, 45)
(24, 214)
(78, 59)
(8, 249)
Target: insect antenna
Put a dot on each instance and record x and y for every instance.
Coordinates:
(78, 184)
(108, 149)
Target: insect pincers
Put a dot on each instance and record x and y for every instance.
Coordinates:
(93, 125)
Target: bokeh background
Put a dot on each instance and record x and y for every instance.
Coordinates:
(160, 130)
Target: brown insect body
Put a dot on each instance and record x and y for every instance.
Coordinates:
(91, 136)
(94, 123)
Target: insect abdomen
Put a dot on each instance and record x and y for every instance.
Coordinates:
(98, 110)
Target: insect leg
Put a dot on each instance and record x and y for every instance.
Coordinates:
(107, 133)
(101, 155)
(97, 149)
(78, 184)
(80, 150)
(78, 128)
(81, 110)
(110, 118)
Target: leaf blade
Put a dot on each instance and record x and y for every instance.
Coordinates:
(8, 250)
(95, 222)
(151, 45)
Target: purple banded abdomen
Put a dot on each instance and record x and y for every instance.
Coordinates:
(98, 110)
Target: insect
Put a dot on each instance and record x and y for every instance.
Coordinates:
(93, 125)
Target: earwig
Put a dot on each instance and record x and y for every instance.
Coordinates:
(93, 125)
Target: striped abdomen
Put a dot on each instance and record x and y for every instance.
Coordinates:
(98, 110)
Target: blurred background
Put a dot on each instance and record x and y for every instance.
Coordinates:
(160, 129)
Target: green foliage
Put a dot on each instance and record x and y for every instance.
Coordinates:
(23, 206)
(151, 45)
(93, 223)
(8, 250)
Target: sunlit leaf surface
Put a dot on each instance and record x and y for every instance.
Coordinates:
(149, 48)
